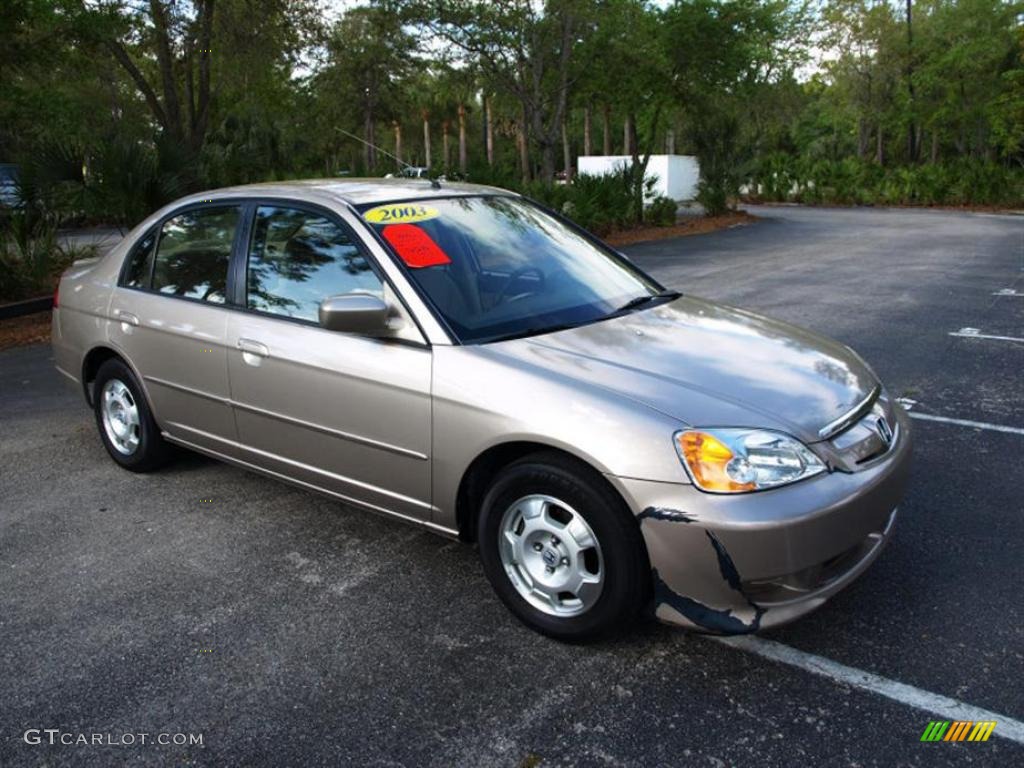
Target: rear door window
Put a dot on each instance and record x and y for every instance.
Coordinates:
(299, 258)
(193, 254)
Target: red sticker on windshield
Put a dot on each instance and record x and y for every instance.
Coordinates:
(414, 246)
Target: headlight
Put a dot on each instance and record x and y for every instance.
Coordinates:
(740, 460)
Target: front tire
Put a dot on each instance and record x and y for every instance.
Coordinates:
(561, 549)
(126, 425)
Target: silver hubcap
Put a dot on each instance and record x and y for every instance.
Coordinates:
(551, 555)
(120, 417)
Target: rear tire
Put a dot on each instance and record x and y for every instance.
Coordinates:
(561, 549)
(125, 422)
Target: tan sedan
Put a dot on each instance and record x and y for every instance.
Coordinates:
(458, 357)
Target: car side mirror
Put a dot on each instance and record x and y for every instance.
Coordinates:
(361, 313)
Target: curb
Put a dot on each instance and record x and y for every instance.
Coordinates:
(28, 307)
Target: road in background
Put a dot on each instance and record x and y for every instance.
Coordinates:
(290, 630)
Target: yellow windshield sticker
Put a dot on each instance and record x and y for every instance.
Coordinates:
(400, 213)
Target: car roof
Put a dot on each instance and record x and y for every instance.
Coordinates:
(358, 191)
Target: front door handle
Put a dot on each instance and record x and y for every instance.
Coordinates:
(126, 317)
(250, 347)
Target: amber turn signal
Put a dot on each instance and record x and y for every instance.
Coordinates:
(707, 458)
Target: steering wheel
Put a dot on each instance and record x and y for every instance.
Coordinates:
(515, 276)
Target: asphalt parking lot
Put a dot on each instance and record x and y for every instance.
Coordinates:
(288, 630)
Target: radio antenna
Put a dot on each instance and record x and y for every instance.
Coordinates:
(434, 182)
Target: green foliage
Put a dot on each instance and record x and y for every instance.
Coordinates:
(119, 181)
(661, 212)
(600, 204)
(114, 108)
(714, 135)
(850, 181)
(31, 255)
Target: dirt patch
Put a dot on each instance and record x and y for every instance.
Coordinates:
(29, 329)
(697, 226)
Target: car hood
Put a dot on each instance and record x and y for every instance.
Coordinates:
(709, 365)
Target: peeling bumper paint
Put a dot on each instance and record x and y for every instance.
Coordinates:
(735, 564)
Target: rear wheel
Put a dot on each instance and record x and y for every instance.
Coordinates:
(126, 425)
(561, 549)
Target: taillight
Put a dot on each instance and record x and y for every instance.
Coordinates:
(56, 296)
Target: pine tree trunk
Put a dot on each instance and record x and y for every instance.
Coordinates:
(370, 153)
(587, 138)
(547, 161)
(398, 143)
(880, 147)
(524, 150)
(566, 152)
(445, 145)
(426, 140)
(627, 147)
(606, 124)
(489, 131)
(462, 139)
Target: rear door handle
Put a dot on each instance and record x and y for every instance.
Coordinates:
(251, 347)
(126, 317)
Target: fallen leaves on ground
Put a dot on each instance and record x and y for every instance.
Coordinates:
(28, 329)
(698, 225)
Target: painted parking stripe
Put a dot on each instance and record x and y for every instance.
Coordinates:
(934, 703)
(909, 403)
(1007, 292)
(974, 333)
(967, 423)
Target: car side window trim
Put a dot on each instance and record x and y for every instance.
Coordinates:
(122, 276)
(239, 270)
(239, 260)
(303, 207)
(158, 227)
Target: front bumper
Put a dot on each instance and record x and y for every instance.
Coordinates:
(738, 563)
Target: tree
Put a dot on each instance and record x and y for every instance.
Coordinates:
(630, 33)
(721, 54)
(518, 47)
(369, 57)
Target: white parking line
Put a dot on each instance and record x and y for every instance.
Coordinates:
(941, 706)
(967, 423)
(974, 333)
(1007, 292)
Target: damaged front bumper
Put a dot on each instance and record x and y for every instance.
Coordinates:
(734, 564)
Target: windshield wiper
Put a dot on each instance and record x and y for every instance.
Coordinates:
(537, 331)
(629, 306)
(640, 301)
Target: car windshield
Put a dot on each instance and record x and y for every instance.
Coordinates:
(499, 267)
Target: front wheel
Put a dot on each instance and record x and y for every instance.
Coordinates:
(127, 428)
(561, 549)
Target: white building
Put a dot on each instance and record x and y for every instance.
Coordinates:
(677, 175)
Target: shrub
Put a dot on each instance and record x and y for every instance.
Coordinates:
(854, 181)
(661, 212)
(31, 256)
(713, 196)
